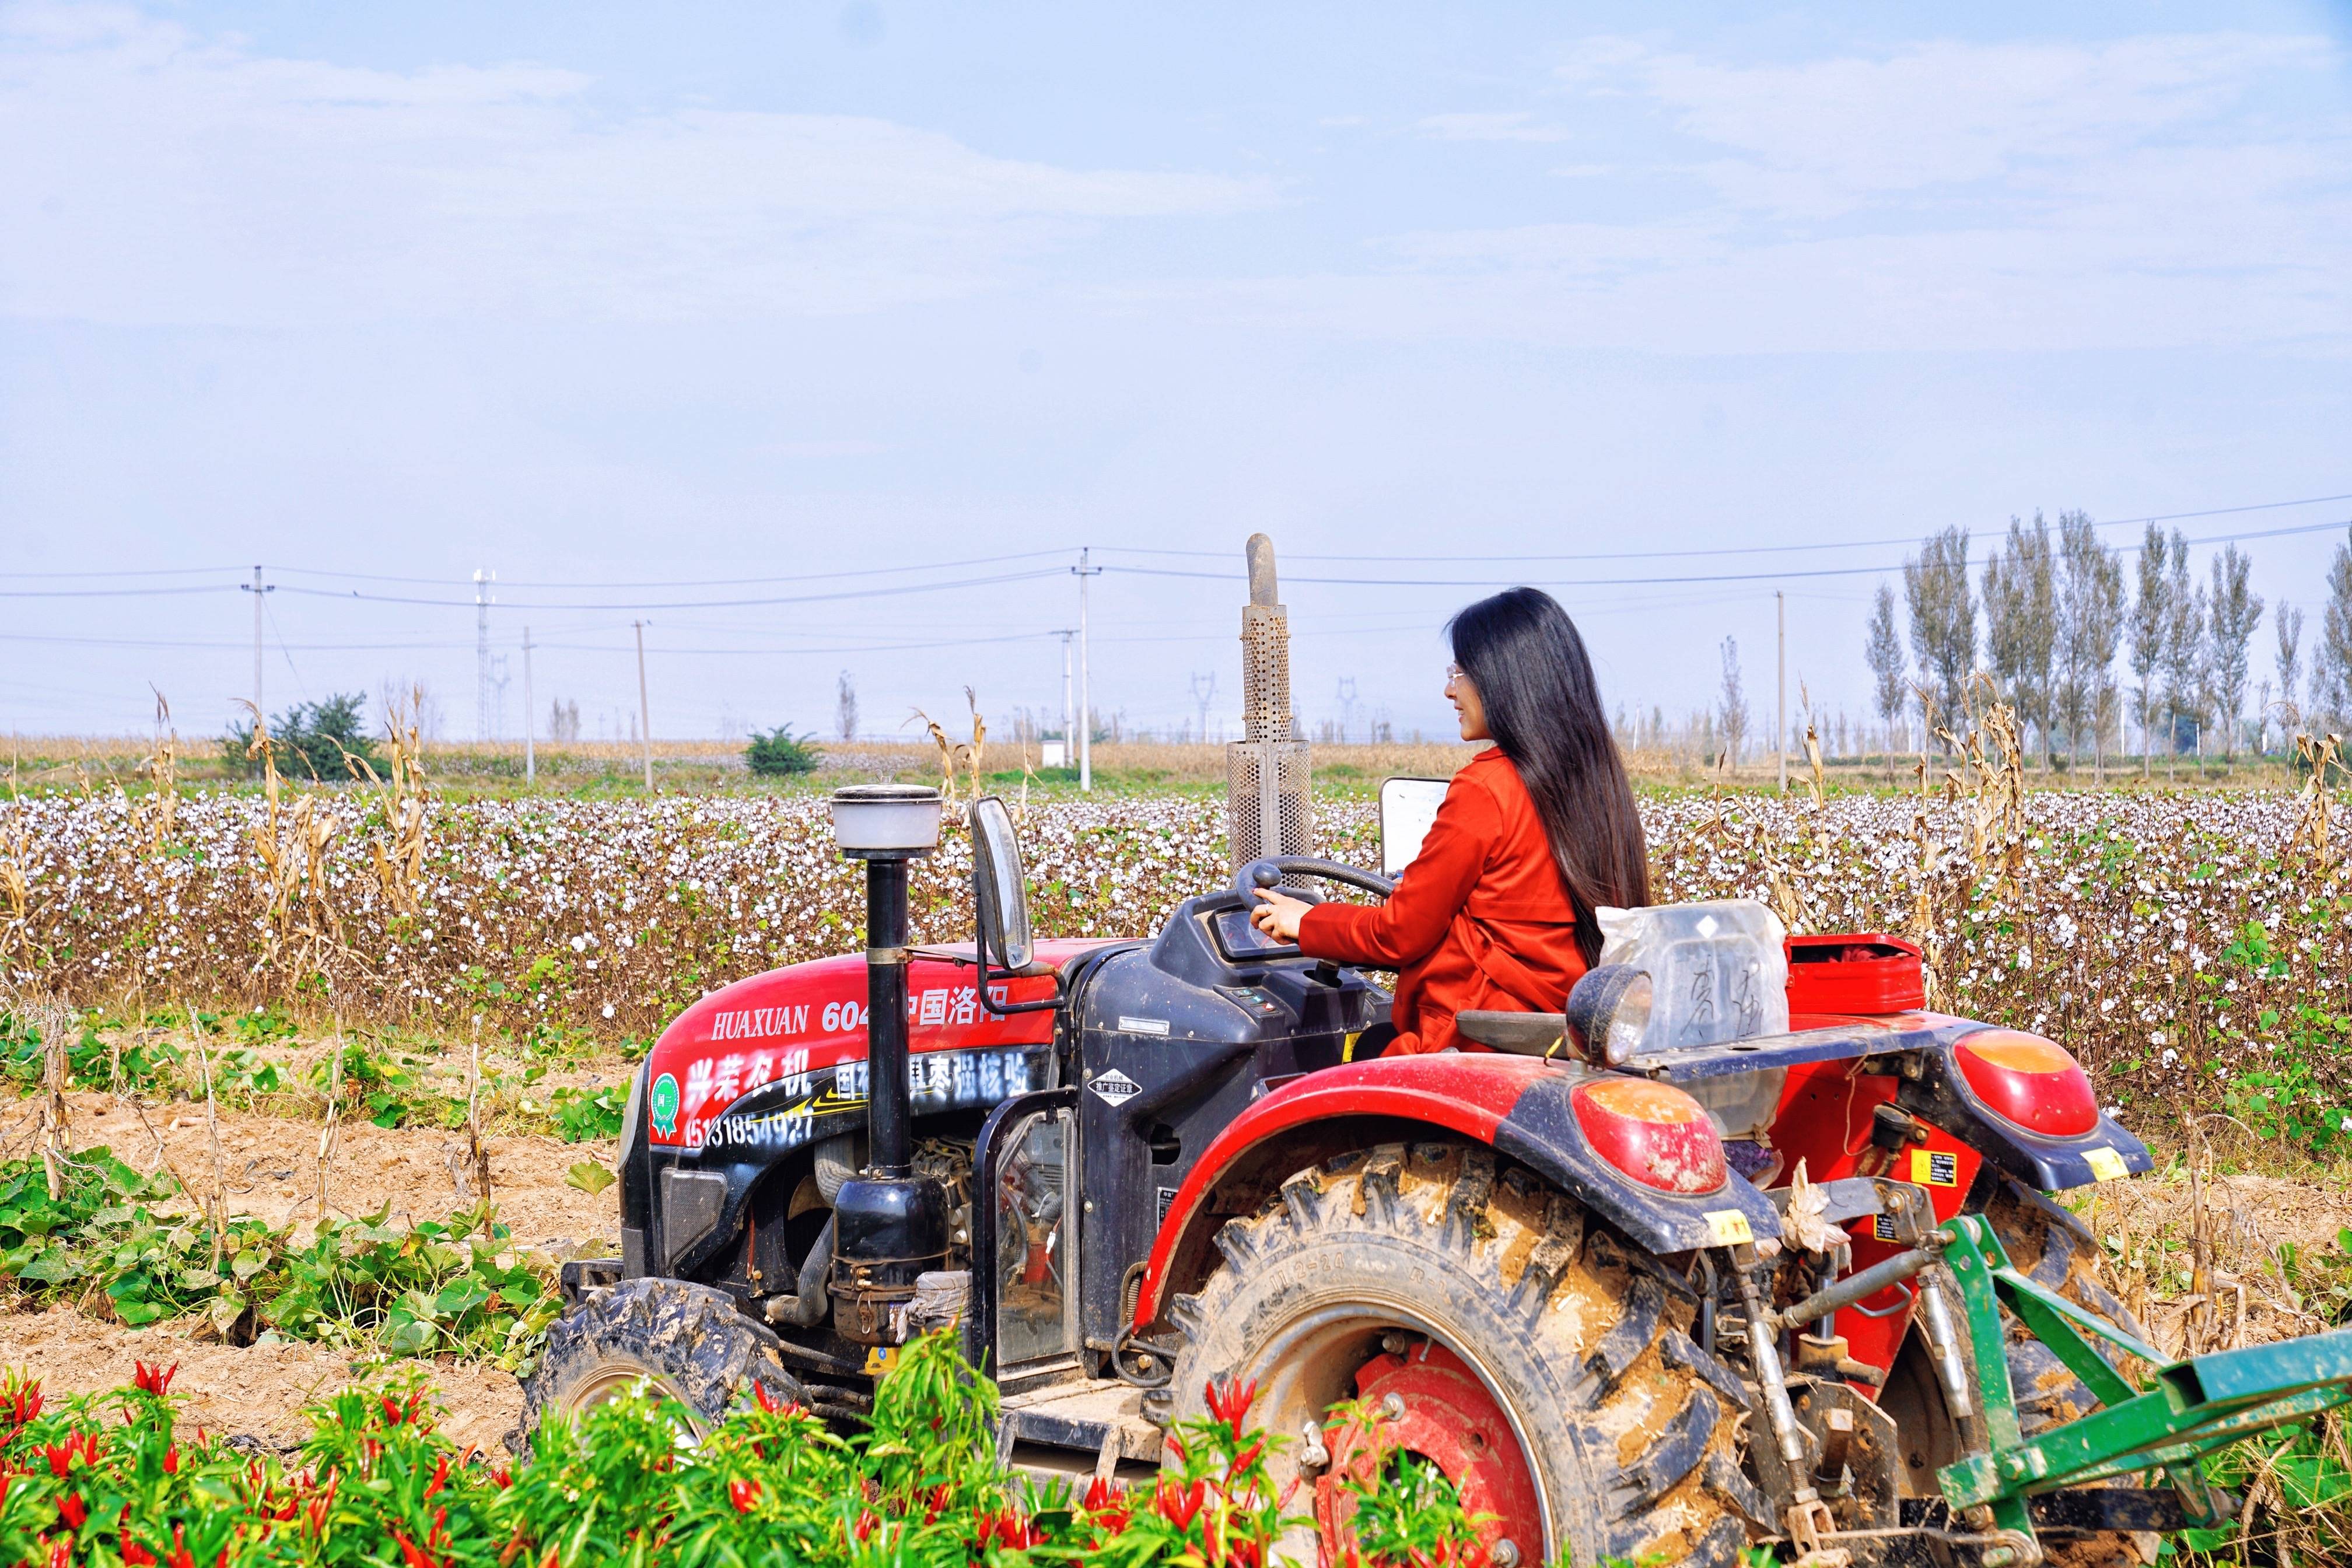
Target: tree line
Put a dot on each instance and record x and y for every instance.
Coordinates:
(2058, 608)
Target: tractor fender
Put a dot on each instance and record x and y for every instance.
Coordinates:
(1516, 1105)
(1937, 1092)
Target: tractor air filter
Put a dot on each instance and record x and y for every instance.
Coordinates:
(1268, 808)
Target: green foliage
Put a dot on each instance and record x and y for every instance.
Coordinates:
(2287, 1089)
(435, 1288)
(387, 1091)
(117, 1479)
(325, 740)
(779, 753)
(90, 1062)
(584, 1115)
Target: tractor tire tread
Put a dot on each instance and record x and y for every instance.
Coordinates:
(688, 1338)
(1636, 1435)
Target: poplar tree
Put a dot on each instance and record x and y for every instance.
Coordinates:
(2235, 610)
(2331, 664)
(2184, 652)
(2022, 623)
(2151, 614)
(2090, 624)
(1734, 708)
(1942, 601)
(2288, 624)
(1883, 649)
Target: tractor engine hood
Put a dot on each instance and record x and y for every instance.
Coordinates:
(778, 1062)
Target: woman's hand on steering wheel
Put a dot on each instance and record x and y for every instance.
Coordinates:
(1278, 914)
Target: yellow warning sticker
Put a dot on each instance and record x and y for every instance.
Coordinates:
(1935, 1168)
(2106, 1165)
(881, 1358)
(1728, 1228)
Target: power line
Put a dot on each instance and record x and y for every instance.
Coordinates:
(691, 581)
(1774, 576)
(1749, 549)
(692, 603)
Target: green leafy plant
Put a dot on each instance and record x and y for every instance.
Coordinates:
(453, 1286)
(326, 739)
(778, 752)
(583, 1115)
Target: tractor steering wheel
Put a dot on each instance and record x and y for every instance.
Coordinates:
(1269, 872)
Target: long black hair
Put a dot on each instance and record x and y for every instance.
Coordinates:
(1522, 653)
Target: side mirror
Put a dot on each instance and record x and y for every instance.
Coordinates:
(999, 894)
(1407, 808)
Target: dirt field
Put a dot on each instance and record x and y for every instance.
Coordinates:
(272, 1165)
(271, 1170)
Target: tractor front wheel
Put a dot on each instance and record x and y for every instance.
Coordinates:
(1481, 1321)
(685, 1343)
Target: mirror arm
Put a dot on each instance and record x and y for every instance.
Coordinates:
(1060, 996)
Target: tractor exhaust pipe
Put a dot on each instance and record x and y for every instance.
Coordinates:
(889, 1224)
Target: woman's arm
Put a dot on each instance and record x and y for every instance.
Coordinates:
(1415, 918)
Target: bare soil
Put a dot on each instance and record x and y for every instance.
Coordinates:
(271, 1168)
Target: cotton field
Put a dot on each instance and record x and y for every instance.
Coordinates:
(2192, 948)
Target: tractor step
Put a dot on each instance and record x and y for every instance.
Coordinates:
(1075, 1432)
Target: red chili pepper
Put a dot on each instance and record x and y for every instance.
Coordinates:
(440, 1476)
(172, 1460)
(1230, 1401)
(134, 1554)
(60, 1455)
(24, 1402)
(1178, 1506)
(155, 1380)
(73, 1510)
(743, 1493)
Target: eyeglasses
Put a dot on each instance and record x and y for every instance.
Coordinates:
(1453, 673)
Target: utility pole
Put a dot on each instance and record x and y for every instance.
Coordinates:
(482, 580)
(1780, 601)
(1085, 688)
(529, 761)
(1347, 705)
(645, 709)
(1069, 735)
(256, 590)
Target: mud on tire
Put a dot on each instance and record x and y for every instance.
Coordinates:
(687, 1341)
(1631, 1432)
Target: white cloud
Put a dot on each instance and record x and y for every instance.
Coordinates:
(2132, 193)
(1514, 127)
(155, 176)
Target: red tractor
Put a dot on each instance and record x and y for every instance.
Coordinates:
(1744, 1246)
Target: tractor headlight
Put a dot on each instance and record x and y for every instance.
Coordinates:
(1608, 1012)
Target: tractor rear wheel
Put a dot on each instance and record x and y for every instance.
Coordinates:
(686, 1342)
(2058, 1252)
(1496, 1331)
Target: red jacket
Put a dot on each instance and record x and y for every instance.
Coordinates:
(1478, 919)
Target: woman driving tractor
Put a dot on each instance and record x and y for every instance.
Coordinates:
(1535, 833)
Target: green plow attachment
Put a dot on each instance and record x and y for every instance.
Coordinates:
(2187, 1409)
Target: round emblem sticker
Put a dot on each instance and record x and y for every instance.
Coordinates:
(664, 1105)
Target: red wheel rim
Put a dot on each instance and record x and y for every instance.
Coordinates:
(1429, 1403)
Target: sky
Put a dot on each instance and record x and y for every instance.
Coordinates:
(821, 337)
